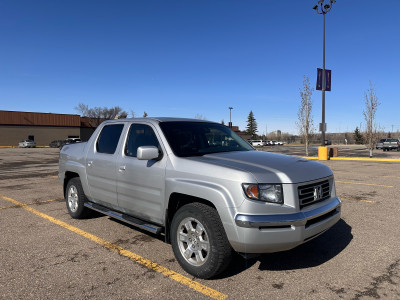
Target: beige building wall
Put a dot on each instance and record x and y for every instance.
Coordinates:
(43, 135)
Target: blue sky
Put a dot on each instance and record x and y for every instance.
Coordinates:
(191, 57)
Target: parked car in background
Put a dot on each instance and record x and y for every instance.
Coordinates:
(56, 144)
(328, 142)
(391, 144)
(27, 144)
(379, 144)
(257, 143)
(278, 143)
(72, 140)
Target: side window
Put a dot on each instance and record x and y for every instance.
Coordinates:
(140, 135)
(108, 139)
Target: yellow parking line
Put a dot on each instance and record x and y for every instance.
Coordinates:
(205, 290)
(391, 176)
(32, 203)
(366, 159)
(358, 200)
(350, 182)
(356, 159)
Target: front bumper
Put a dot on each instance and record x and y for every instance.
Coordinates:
(273, 233)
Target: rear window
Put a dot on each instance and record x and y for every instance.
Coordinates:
(108, 139)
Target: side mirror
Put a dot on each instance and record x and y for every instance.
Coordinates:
(147, 153)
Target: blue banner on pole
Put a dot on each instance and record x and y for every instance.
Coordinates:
(328, 76)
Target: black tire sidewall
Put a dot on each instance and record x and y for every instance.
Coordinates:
(82, 210)
(212, 266)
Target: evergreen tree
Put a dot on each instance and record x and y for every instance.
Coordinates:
(251, 128)
(358, 138)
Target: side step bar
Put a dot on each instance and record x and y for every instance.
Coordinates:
(124, 218)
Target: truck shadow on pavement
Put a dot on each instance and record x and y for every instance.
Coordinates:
(315, 252)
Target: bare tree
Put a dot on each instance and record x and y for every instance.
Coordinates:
(97, 115)
(305, 124)
(200, 117)
(371, 106)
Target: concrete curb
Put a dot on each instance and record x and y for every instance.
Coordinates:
(356, 159)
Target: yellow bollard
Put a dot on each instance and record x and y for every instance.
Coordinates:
(323, 153)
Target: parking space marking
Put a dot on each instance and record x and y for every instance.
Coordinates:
(32, 203)
(358, 200)
(198, 287)
(372, 184)
(391, 176)
(366, 159)
(396, 160)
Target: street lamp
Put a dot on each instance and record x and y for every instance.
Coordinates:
(322, 9)
(230, 116)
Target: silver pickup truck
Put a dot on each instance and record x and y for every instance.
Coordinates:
(390, 144)
(201, 186)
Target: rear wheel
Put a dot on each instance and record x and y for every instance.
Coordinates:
(199, 241)
(75, 199)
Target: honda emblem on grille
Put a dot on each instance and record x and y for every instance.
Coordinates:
(317, 192)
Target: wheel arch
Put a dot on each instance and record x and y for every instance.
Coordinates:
(176, 201)
(67, 177)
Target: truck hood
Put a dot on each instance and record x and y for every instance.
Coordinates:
(269, 167)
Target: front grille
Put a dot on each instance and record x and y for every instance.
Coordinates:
(312, 193)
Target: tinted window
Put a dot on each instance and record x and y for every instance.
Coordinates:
(140, 135)
(199, 138)
(109, 137)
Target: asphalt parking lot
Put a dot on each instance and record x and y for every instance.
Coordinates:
(47, 255)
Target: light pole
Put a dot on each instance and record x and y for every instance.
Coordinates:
(322, 9)
(230, 116)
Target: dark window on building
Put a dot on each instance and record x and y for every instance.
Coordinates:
(31, 137)
(140, 135)
(109, 137)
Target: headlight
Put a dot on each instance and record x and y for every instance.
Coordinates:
(264, 192)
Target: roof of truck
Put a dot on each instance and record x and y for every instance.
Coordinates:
(158, 119)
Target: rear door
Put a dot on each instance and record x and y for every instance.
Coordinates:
(141, 183)
(101, 166)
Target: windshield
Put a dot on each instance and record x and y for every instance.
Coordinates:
(199, 138)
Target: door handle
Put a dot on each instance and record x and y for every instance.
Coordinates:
(89, 163)
(122, 168)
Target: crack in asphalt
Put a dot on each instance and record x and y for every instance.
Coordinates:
(374, 287)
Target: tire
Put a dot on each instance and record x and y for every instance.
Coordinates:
(75, 199)
(197, 231)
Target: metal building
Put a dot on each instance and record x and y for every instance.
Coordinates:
(43, 128)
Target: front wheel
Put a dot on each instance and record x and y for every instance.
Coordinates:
(199, 241)
(75, 199)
